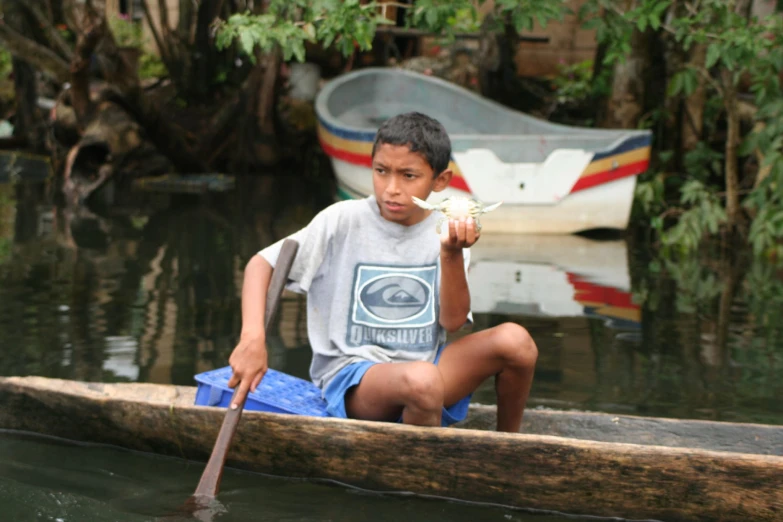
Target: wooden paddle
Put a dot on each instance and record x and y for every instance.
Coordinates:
(209, 484)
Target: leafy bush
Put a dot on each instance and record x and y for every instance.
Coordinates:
(5, 63)
(126, 32)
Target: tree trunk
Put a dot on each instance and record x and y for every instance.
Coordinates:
(267, 148)
(671, 125)
(185, 22)
(80, 73)
(205, 55)
(498, 77)
(167, 137)
(733, 136)
(626, 102)
(732, 143)
(29, 124)
(693, 113)
(599, 69)
(730, 272)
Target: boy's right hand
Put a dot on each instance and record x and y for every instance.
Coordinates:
(249, 363)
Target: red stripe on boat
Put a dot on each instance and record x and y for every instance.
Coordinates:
(606, 176)
(593, 293)
(459, 183)
(351, 157)
(364, 160)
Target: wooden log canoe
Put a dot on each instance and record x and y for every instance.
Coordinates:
(581, 463)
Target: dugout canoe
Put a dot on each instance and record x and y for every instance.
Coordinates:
(553, 179)
(581, 463)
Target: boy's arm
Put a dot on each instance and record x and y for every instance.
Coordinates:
(249, 358)
(454, 291)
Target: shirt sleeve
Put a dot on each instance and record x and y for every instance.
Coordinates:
(314, 243)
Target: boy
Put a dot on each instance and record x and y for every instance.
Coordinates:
(383, 289)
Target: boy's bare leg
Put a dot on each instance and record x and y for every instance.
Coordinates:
(413, 390)
(506, 351)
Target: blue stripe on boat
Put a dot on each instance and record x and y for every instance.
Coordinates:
(369, 136)
(628, 145)
(353, 135)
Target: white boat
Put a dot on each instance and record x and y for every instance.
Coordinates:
(553, 276)
(553, 179)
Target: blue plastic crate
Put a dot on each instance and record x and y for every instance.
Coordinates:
(277, 393)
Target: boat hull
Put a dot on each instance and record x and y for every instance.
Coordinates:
(552, 178)
(523, 470)
(608, 206)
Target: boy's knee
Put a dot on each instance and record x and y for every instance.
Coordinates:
(517, 344)
(423, 386)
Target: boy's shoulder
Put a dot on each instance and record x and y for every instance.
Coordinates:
(347, 209)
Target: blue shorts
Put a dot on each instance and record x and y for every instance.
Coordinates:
(351, 376)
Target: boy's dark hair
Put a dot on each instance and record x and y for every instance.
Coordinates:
(421, 134)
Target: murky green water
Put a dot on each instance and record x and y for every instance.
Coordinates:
(46, 479)
(151, 294)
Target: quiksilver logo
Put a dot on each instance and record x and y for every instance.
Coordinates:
(394, 297)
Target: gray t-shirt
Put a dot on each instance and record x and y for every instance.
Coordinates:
(372, 287)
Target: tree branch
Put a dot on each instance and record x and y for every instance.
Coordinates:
(41, 57)
(666, 27)
(56, 40)
(80, 72)
(163, 13)
(154, 30)
(70, 13)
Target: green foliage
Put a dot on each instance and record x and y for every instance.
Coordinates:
(649, 195)
(66, 33)
(574, 84)
(439, 16)
(764, 289)
(704, 215)
(7, 208)
(737, 51)
(766, 200)
(347, 25)
(766, 232)
(5, 62)
(151, 66)
(524, 13)
(465, 20)
(649, 14)
(703, 162)
(697, 285)
(126, 32)
(289, 24)
(684, 82)
(611, 28)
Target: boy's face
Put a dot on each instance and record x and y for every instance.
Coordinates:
(398, 174)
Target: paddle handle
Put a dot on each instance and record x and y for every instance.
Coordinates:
(209, 484)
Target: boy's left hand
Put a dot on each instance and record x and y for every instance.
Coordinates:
(459, 234)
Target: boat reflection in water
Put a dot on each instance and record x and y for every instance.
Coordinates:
(553, 276)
